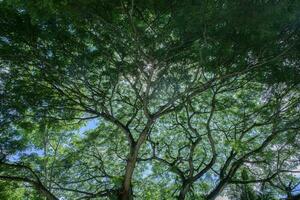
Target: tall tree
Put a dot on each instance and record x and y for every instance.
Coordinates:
(148, 99)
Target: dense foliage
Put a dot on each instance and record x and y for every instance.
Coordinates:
(119, 99)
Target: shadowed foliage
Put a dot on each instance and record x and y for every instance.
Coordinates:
(149, 99)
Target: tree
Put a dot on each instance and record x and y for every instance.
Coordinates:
(184, 97)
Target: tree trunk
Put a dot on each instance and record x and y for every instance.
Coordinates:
(126, 192)
(213, 194)
(181, 195)
(184, 190)
(47, 193)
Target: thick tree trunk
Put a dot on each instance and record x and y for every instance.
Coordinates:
(126, 195)
(47, 193)
(184, 190)
(126, 192)
(213, 194)
(181, 195)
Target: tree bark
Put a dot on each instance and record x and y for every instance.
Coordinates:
(184, 189)
(46, 193)
(214, 193)
(126, 192)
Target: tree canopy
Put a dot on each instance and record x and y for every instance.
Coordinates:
(126, 100)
